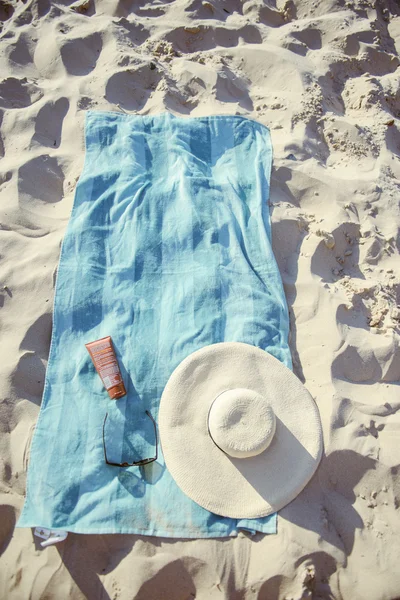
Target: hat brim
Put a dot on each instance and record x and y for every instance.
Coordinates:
(232, 487)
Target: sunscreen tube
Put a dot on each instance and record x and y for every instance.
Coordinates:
(104, 359)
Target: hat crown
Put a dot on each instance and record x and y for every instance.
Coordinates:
(241, 422)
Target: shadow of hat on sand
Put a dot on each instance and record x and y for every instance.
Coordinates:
(326, 504)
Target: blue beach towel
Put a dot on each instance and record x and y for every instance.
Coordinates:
(168, 249)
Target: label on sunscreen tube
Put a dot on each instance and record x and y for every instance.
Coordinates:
(104, 359)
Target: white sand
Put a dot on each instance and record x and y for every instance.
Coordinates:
(326, 80)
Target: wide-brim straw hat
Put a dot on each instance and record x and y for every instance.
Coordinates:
(240, 433)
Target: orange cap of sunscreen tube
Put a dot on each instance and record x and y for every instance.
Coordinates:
(105, 361)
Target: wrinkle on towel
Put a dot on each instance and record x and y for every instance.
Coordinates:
(168, 249)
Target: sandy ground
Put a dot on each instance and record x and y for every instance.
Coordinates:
(324, 76)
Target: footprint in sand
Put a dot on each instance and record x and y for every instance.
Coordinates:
(271, 17)
(49, 122)
(310, 37)
(200, 38)
(59, 53)
(377, 62)
(131, 89)
(21, 51)
(28, 377)
(356, 365)
(134, 32)
(80, 55)
(41, 8)
(40, 184)
(18, 93)
(231, 88)
(23, 18)
(6, 11)
(351, 43)
(37, 337)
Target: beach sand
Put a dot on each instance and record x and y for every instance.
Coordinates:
(325, 78)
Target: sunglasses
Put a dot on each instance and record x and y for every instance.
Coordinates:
(138, 463)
